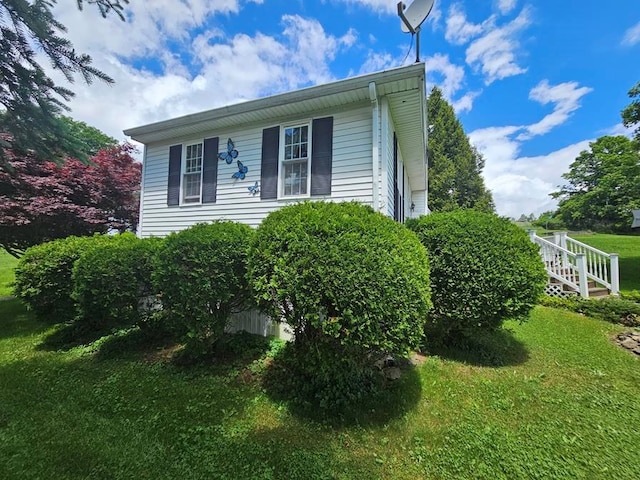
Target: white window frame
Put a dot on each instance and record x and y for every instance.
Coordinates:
(183, 173)
(282, 161)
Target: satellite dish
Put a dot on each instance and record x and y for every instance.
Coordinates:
(413, 17)
(636, 219)
(415, 14)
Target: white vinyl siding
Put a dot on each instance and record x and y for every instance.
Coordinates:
(351, 176)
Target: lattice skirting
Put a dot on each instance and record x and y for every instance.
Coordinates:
(556, 290)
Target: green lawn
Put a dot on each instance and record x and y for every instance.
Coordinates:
(554, 398)
(628, 247)
(7, 264)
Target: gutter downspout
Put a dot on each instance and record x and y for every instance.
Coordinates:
(375, 150)
(142, 180)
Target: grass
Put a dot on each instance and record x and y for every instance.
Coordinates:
(627, 247)
(551, 398)
(7, 264)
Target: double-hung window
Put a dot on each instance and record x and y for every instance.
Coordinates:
(192, 175)
(295, 156)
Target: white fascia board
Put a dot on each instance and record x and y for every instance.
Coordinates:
(166, 128)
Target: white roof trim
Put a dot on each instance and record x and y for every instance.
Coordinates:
(171, 128)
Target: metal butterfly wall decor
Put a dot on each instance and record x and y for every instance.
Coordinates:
(242, 171)
(254, 189)
(231, 154)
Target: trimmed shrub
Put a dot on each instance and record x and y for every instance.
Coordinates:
(112, 283)
(200, 273)
(351, 283)
(43, 276)
(484, 270)
(610, 309)
(343, 271)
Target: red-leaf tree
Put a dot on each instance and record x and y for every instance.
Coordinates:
(44, 201)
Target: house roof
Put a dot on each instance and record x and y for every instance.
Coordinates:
(404, 87)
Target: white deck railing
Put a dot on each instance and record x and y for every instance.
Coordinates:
(574, 263)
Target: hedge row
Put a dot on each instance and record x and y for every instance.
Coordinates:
(352, 283)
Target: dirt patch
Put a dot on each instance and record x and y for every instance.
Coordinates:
(629, 341)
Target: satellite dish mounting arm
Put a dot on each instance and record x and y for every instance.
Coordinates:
(403, 18)
(414, 31)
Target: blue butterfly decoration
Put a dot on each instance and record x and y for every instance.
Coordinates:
(254, 189)
(242, 171)
(230, 154)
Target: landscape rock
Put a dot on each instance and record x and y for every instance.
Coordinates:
(392, 373)
(630, 341)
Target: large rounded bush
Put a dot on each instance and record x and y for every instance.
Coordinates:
(200, 273)
(484, 270)
(341, 271)
(43, 276)
(112, 282)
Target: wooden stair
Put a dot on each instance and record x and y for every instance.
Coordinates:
(595, 291)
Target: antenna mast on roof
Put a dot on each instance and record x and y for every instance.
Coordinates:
(413, 18)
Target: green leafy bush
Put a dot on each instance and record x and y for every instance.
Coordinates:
(610, 309)
(350, 283)
(484, 270)
(200, 273)
(44, 276)
(342, 271)
(112, 283)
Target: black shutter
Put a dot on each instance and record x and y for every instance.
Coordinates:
(173, 183)
(269, 165)
(210, 170)
(321, 156)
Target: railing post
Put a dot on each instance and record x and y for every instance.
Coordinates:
(532, 235)
(615, 274)
(581, 264)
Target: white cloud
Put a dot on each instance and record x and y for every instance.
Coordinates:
(566, 99)
(523, 184)
(458, 30)
(449, 77)
(494, 53)
(205, 71)
(506, 6)
(632, 35)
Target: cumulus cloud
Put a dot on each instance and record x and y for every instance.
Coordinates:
(450, 79)
(494, 53)
(506, 6)
(566, 99)
(632, 36)
(523, 184)
(198, 72)
(458, 29)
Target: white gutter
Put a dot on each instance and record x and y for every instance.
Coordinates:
(341, 86)
(375, 149)
(142, 178)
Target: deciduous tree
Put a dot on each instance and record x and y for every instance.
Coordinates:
(455, 166)
(631, 114)
(30, 101)
(41, 201)
(603, 186)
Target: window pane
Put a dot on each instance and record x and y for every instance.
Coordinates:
(296, 135)
(304, 133)
(303, 150)
(287, 152)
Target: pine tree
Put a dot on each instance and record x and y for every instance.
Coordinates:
(30, 102)
(455, 166)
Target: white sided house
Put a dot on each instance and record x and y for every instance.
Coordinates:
(362, 139)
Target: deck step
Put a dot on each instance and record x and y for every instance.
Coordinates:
(598, 292)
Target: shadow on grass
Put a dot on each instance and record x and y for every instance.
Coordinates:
(17, 321)
(382, 401)
(492, 349)
(71, 335)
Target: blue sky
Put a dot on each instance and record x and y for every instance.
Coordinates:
(532, 82)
